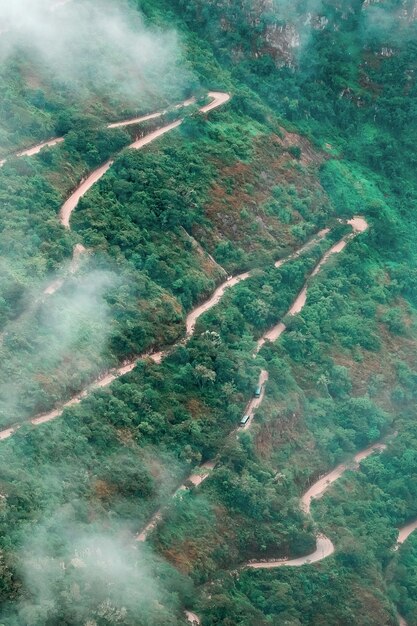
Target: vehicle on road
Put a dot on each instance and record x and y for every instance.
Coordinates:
(244, 420)
(258, 391)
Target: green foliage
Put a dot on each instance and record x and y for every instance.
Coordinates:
(342, 373)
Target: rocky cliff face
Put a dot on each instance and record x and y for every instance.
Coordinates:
(285, 35)
(283, 40)
(274, 27)
(279, 28)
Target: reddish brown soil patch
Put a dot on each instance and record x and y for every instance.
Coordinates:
(309, 155)
(237, 199)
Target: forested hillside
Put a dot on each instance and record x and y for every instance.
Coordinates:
(228, 198)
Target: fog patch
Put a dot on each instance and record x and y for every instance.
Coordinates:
(94, 45)
(91, 578)
(55, 345)
(384, 25)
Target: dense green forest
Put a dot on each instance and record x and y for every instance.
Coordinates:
(320, 127)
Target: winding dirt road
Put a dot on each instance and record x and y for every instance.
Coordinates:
(193, 316)
(324, 546)
(150, 116)
(135, 120)
(51, 288)
(218, 99)
(405, 532)
(157, 357)
(256, 402)
(36, 149)
(68, 207)
(359, 225)
(195, 479)
(192, 618)
(205, 469)
(70, 204)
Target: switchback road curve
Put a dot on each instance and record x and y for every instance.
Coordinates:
(324, 545)
(359, 225)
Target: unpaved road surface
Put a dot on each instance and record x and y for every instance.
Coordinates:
(136, 120)
(321, 485)
(156, 518)
(70, 204)
(324, 548)
(149, 116)
(36, 149)
(201, 474)
(50, 289)
(196, 479)
(256, 402)
(359, 225)
(205, 469)
(193, 316)
(157, 357)
(324, 545)
(218, 99)
(405, 532)
(65, 214)
(320, 235)
(192, 618)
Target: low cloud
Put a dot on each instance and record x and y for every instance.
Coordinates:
(94, 579)
(386, 24)
(103, 46)
(55, 344)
